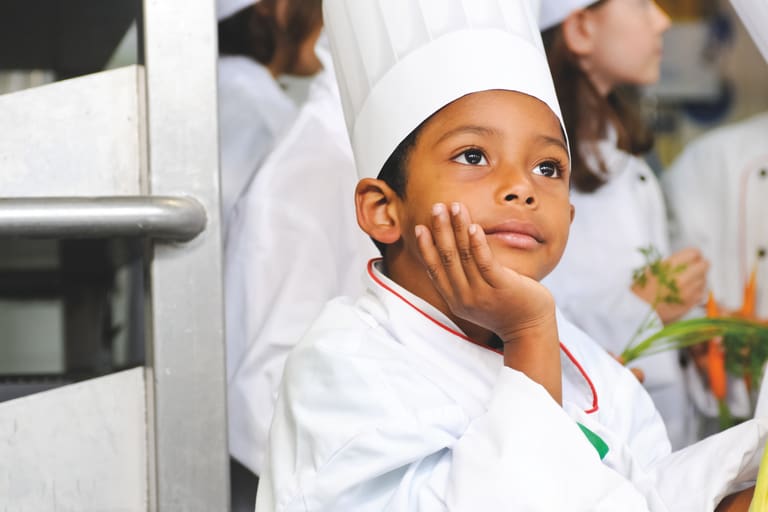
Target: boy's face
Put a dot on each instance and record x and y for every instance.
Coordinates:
(502, 154)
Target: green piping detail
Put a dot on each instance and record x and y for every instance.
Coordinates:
(596, 440)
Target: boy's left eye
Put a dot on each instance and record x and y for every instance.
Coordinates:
(548, 169)
(471, 157)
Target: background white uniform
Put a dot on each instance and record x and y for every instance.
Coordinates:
(716, 191)
(293, 245)
(718, 200)
(253, 112)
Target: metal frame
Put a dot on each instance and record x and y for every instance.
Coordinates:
(156, 147)
(189, 462)
(170, 218)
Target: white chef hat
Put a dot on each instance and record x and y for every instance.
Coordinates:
(754, 14)
(400, 61)
(555, 11)
(226, 8)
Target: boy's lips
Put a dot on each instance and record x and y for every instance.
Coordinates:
(516, 234)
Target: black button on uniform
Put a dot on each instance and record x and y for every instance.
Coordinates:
(642, 178)
(761, 252)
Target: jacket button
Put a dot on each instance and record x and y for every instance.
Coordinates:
(761, 252)
(763, 173)
(642, 178)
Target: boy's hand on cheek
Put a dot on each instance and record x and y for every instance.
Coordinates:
(480, 290)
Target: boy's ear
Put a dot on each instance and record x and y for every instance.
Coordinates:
(377, 210)
(578, 31)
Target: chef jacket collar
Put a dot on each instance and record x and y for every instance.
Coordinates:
(425, 330)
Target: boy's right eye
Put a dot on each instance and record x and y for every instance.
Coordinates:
(471, 157)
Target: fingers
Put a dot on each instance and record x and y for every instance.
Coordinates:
(461, 224)
(692, 279)
(492, 271)
(431, 260)
(445, 250)
(685, 256)
(456, 252)
(692, 282)
(446, 242)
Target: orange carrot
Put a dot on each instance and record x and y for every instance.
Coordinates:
(750, 291)
(748, 311)
(716, 369)
(715, 356)
(712, 309)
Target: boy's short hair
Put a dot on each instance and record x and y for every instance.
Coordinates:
(394, 172)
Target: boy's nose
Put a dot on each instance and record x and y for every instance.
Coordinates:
(529, 199)
(516, 187)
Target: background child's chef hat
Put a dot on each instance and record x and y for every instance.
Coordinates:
(754, 14)
(554, 12)
(226, 8)
(400, 61)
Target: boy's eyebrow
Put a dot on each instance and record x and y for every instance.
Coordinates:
(479, 130)
(484, 130)
(557, 141)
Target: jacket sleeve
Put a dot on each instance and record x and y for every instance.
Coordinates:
(698, 477)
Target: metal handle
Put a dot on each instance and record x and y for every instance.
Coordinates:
(162, 217)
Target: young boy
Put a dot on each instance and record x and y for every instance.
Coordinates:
(453, 384)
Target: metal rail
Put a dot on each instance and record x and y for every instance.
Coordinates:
(159, 217)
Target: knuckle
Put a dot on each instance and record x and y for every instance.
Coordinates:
(446, 257)
(432, 271)
(465, 254)
(484, 267)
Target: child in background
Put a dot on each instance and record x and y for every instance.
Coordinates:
(259, 41)
(593, 48)
(272, 299)
(716, 193)
(453, 383)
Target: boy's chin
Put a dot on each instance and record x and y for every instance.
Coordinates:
(532, 270)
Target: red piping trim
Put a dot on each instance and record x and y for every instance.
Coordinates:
(742, 226)
(595, 405)
(464, 337)
(746, 173)
(443, 326)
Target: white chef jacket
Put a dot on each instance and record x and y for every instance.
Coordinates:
(293, 244)
(592, 283)
(716, 192)
(386, 406)
(253, 112)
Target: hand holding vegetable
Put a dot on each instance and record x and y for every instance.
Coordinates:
(678, 285)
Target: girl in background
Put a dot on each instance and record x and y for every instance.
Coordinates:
(258, 42)
(594, 48)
